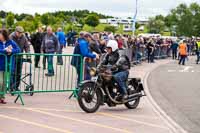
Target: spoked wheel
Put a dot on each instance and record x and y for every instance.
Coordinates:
(32, 89)
(89, 98)
(133, 104)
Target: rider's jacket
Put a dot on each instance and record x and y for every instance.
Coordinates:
(119, 62)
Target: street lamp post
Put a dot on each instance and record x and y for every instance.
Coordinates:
(135, 16)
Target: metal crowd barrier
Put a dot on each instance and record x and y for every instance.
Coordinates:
(137, 54)
(54, 78)
(161, 52)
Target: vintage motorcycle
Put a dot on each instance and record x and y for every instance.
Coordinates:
(102, 88)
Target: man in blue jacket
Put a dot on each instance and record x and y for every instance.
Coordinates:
(62, 42)
(82, 48)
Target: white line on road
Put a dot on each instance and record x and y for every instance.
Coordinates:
(186, 69)
(170, 71)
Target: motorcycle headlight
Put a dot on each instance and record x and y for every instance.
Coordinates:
(93, 71)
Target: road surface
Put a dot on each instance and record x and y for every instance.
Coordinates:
(176, 90)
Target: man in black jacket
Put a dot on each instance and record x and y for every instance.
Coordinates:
(151, 49)
(36, 41)
(120, 66)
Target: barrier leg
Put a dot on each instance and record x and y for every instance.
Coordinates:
(19, 97)
(71, 95)
(74, 94)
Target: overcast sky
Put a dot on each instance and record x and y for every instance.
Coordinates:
(117, 8)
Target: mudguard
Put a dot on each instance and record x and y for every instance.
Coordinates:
(84, 82)
(140, 87)
(90, 81)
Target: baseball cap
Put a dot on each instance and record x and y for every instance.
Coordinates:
(19, 29)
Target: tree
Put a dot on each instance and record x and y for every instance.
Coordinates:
(45, 19)
(92, 20)
(156, 25)
(20, 17)
(110, 29)
(185, 20)
(2, 14)
(29, 18)
(0, 23)
(27, 25)
(10, 19)
(137, 25)
(195, 10)
(36, 23)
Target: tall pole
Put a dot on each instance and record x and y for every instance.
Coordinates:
(135, 16)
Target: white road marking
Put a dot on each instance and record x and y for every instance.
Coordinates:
(186, 69)
(170, 71)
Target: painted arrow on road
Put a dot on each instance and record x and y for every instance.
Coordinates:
(184, 70)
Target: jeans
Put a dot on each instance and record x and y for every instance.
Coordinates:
(59, 58)
(16, 78)
(150, 57)
(174, 54)
(50, 64)
(78, 76)
(198, 57)
(87, 75)
(44, 60)
(182, 59)
(37, 59)
(2, 85)
(121, 78)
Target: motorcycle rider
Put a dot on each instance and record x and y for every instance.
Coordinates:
(120, 66)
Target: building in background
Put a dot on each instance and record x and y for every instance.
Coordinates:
(125, 22)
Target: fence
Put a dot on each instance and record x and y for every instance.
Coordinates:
(162, 51)
(138, 54)
(24, 78)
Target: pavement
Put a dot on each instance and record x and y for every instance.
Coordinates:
(54, 113)
(176, 90)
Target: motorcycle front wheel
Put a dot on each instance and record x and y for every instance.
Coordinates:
(89, 98)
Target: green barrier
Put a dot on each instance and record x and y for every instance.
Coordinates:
(50, 77)
(4, 78)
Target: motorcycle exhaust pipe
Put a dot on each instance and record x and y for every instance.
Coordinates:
(132, 99)
(136, 95)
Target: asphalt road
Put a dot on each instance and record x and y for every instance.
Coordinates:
(176, 90)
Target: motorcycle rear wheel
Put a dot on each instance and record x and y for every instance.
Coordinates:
(133, 104)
